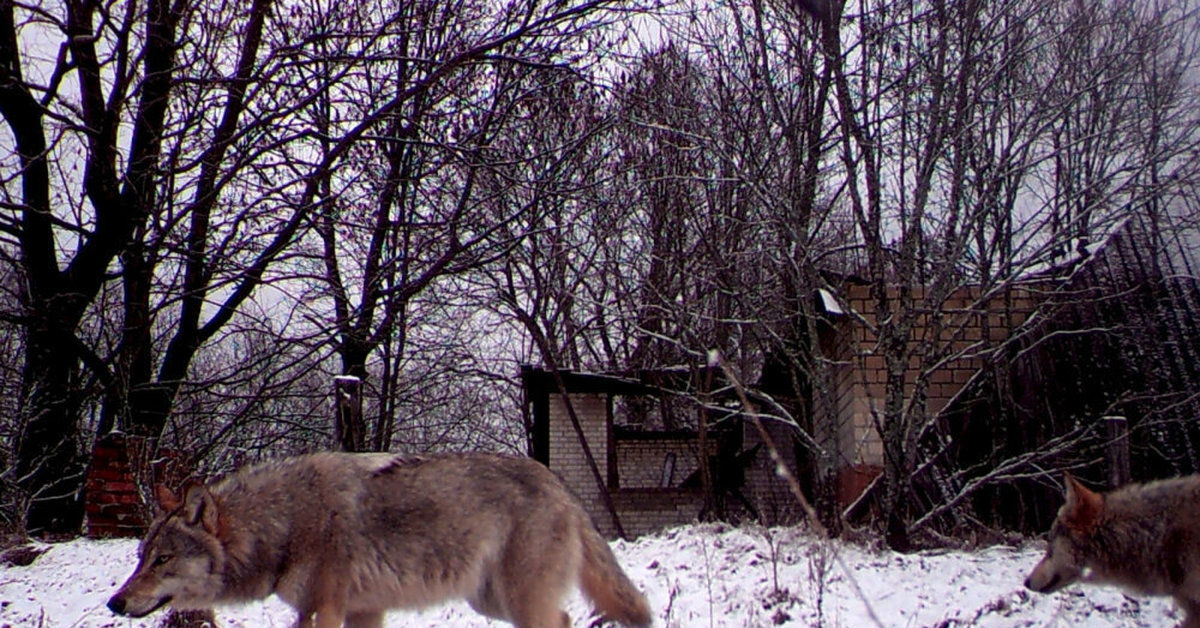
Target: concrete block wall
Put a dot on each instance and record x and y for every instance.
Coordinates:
(642, 503)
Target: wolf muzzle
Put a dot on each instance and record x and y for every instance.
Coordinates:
(116, 604)
(120, 606)
(1047, 587)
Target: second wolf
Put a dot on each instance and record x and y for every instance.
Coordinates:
(344, 537)
(1143, 537)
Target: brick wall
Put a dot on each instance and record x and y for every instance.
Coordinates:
(114, 502)
(648, 510)
(656, 463)
(968, 324)
(642, 503)
(845, 417)
(566, 456)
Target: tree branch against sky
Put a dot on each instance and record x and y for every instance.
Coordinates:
(178, 150)
(982, 141)
(409, 192)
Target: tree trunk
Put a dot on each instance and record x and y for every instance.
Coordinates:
(50, 464)
(349, 428)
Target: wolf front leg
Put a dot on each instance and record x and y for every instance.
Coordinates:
(328, 615)
(319, 596)
(1191, 612)
(364, 620)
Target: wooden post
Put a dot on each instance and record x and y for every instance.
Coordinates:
(1116, 432)
(349, 430)
(711, 509)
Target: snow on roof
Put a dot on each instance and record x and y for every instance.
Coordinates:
(830, 302)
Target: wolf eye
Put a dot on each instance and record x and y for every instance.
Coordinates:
(162, 559)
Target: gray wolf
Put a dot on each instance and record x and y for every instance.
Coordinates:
(1142, 537)
(343, 537)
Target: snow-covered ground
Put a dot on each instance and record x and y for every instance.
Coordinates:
(694, 576)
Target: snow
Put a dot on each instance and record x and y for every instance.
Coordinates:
(694, 576)
(830, 302)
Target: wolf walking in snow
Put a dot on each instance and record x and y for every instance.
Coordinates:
(1142, 537)
(344, 537)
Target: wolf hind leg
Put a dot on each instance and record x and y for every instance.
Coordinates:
(332, 618)
(329, 615)
(365, 620)
(527, 591)
(552, 618)
(486, 601)
(530, 604)
(534, 589)
(524, 615)
(1191, 613)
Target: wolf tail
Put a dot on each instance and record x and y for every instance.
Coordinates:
(606, 585)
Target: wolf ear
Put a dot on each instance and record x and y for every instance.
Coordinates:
(199, 507)
(167, 501)
(1083, 507)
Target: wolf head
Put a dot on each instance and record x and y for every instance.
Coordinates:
(181, 559)
(1065, 557)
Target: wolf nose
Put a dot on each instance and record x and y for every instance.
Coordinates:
(117, 605)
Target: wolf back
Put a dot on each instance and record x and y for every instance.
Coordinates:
(344, 537)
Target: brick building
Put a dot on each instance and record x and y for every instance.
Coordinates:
(649, 464)
(968, 327)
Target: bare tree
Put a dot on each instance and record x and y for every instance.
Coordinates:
(952, 118)
(427, 199)
(553, 284)
(185, 159)
(120, 193)
(941, 152)
(726, 139)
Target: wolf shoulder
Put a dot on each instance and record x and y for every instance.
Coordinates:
(1170, 499)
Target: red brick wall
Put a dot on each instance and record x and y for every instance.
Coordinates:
(113, 496)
